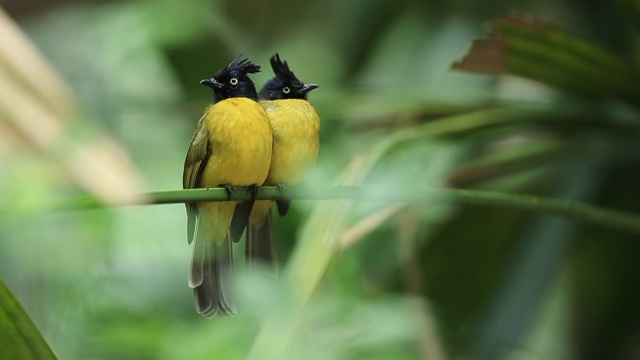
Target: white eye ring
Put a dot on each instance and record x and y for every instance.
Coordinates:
(286, 90)
(233, 81)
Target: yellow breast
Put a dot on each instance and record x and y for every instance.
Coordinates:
(296, 127)
(241, 142)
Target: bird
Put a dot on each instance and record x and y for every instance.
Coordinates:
(296, 127)
(231, 147)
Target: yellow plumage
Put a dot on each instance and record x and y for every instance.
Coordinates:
(295, 125)
(231, 146)
(241, 141)
(239, 133)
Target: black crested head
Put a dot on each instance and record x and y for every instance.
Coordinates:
(244, 66)
(233, 81)
(285, 85)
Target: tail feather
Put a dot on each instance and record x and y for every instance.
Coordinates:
(223, 266)
(283, 206)
(240, 220)
(214, 295)
(198, 261)
(210, 272)
(204, 293)
(260, 245)
(192, 222)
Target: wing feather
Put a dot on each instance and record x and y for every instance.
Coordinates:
(199, 152)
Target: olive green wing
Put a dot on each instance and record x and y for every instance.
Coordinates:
(197, 158)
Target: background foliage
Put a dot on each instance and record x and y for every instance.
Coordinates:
(435, 281)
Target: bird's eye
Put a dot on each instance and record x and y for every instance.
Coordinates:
(286, 90)
(233, 81)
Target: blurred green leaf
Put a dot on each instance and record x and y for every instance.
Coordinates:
(527, 47)
(19, 338)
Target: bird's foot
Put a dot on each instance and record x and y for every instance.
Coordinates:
(229, 189)
(253, 189)
(281, 187)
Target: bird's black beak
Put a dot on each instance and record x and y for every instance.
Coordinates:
(212, 83)
(306, 88)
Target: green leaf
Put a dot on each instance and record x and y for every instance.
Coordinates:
(19, 338)
(524, 46)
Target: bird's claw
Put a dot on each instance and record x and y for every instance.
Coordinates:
(253, 189)
(229, 189)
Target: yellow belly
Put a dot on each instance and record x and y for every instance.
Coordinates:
(241, 143)
(296, 128)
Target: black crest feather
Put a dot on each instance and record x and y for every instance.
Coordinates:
(244, 66)
(281, 69)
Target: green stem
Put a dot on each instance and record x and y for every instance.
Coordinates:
(571, 209)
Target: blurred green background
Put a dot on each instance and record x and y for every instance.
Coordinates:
(435, 281)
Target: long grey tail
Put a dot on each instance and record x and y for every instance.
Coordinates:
(214, 294)
(261, 246)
